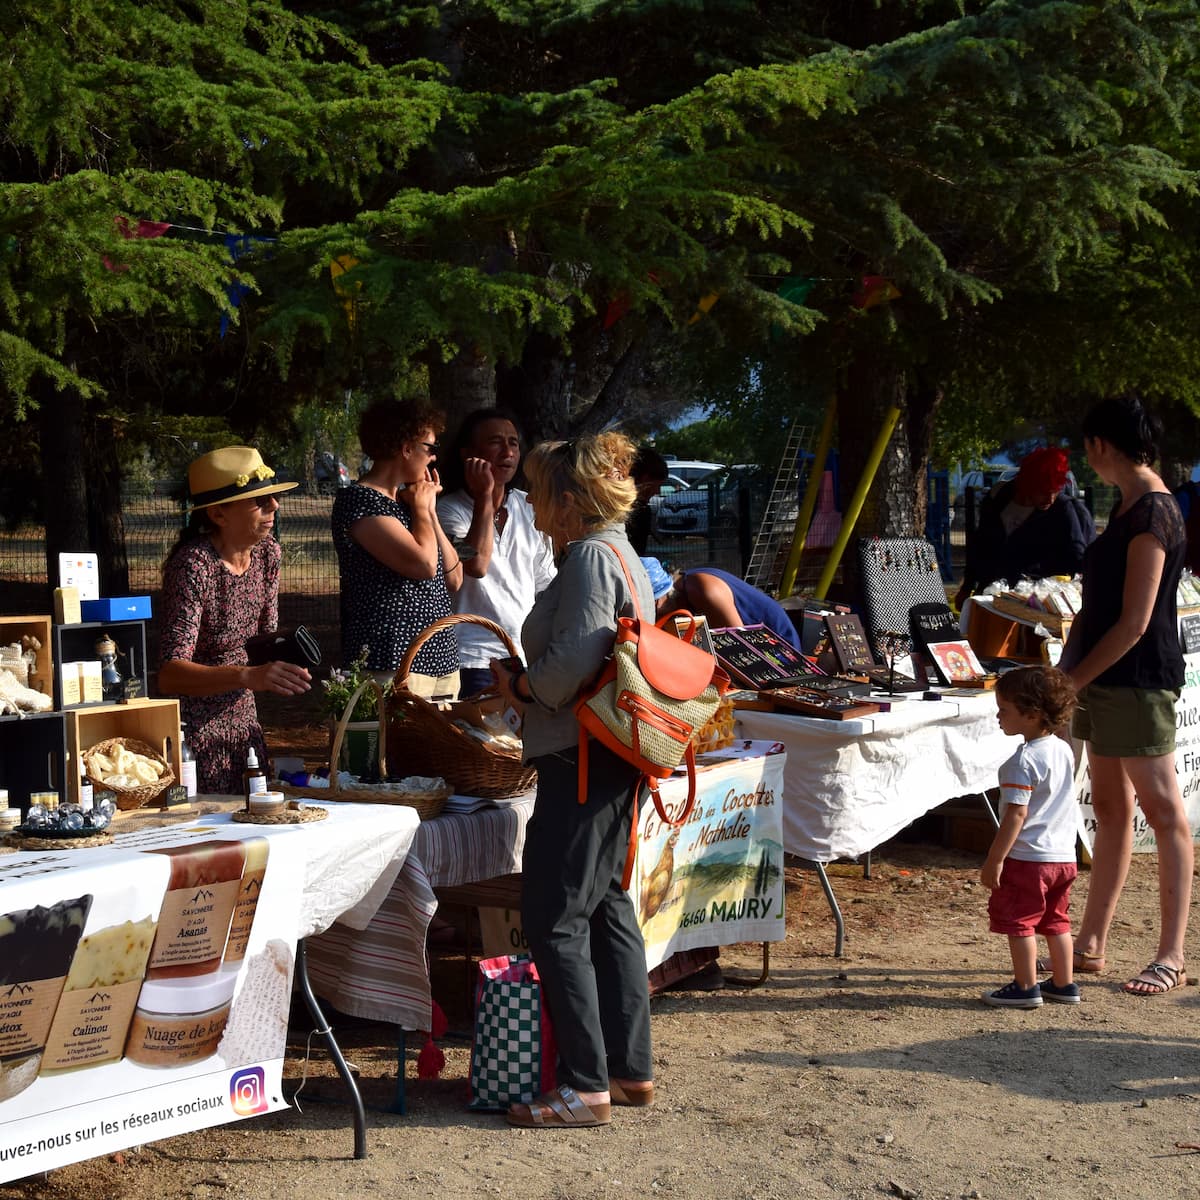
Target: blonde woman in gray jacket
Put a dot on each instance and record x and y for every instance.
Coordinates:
(581, 924)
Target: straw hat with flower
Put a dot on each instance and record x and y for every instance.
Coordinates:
(234, 473)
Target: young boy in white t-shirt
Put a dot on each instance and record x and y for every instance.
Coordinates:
(1031, 864)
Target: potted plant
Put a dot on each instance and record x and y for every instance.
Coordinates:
(360, 742)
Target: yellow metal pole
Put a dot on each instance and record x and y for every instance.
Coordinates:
(855, 507)
(824, 441)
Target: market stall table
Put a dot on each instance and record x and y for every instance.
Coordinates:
(71, 1085)
(381, 972)
(851, 785)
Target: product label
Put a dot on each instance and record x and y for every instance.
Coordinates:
(192, 926)
(90, 1026)
(26, 1010)
(156, 1040)
(247, 901)
(187, 775)
(256, 785)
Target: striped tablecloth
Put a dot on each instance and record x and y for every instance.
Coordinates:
(381, 973)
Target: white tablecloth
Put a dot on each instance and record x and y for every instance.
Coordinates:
(380, 972)
(851, 785)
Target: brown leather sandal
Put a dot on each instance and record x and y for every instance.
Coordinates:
(560, 1109)
(1156, 980)
(631, 1093)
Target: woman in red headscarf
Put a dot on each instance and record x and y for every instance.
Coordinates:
(1028, 526)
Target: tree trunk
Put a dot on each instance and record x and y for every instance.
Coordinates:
(462, 385)
(106, 525)
(64, 475)
(539, 389)
(872, 388)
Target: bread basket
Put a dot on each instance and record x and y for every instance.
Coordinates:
(129, 798)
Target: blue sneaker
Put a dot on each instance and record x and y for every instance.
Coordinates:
(1069, 994)
(1012, 995)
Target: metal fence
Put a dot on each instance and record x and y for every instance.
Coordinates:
(309, 581)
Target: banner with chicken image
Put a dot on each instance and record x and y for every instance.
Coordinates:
(718, 878)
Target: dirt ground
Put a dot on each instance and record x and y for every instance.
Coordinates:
(877, 1074)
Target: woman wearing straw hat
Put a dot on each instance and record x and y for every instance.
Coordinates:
(220, 588)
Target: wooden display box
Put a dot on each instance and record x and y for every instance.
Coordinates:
(73, 643)
(993, 635)
(149, 721)
(33, 756)
(12, 629)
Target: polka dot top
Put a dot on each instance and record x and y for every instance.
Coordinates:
(381, 609)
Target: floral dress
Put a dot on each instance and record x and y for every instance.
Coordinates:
(208, 613)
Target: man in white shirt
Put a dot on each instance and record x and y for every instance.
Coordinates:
(506, 562)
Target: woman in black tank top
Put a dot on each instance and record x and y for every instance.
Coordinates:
(1124, 656)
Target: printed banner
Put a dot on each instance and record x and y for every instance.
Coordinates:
(144, 989)
(717, 879)
(1187, 767)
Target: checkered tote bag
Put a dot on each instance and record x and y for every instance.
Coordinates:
(513, 1052)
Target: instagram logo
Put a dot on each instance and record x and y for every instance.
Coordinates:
(248, 1091)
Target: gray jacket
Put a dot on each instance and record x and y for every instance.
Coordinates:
(570, 630)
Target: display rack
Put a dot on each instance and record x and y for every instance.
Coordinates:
(78, 641)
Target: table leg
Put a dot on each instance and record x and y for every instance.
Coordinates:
(734, 981)
(991, 811)
(819, 867)
(335, 1051)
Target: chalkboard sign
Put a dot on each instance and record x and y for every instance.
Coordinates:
(752, 666)
(1189, 633)
(931, 623)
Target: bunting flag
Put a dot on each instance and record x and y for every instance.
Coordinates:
(796, 289)
(703, 305)
(129, 230)
(348, 291)
(875, 290)
(237, 244)
(619, 305)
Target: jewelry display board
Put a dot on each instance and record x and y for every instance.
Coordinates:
(896, 574)
(749, 663)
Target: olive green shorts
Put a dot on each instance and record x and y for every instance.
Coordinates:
(1126, 722)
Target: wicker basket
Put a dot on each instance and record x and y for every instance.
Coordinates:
(424, 738)
(427, 804)
(129, 798)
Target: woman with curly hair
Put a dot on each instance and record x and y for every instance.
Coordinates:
(397, 566)
(579, 920)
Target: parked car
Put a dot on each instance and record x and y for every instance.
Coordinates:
(686, 509)
(690, 470)
(331, 473)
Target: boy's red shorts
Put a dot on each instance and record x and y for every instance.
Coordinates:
(1033, 897)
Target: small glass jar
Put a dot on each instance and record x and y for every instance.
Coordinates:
(10, 818)
(267, 804)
